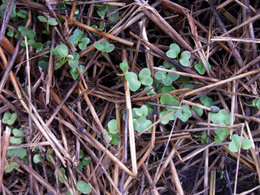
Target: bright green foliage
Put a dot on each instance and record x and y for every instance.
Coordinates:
(184, 113)
(220, 118)
(174, 51)
(78, 38)
(185, 58)
(145, 77)
(61, 51)
(187, 85)
(140, 120)
(83, 187)
(50, 21)
(168, 118)
(166, 78)
(112, 126)
(16, 140)
(256, 103)
(201, 68)
(169, 100)
(11, 166)
(30, 34)
(151, 92)
(74, 72)
(235, 143)
(84, 162)
(166, 89)
(22, 13)
(9, 118)
(206, 101)
(20, 152)
(134, 83)
(73, 60)
(199, 111)
(18, 132)
(221, 135)
(124, 66)
(37, 158)
(104, 47)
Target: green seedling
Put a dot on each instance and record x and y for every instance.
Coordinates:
(184, 113)
(83, 187)
(43, 64)
(174, 51)
(74, 72)
(9, 118)
(113, 14)
(235, 143)
(199, 111)
(145, 77)
(203, 137)
(150, 89)
(78, 38)
(102, 9)
(16, 139)
(166, 89)
(11, 166)
(140, 120)
(134, 83)
(113, 132)
(166, 78)
(187, 85)
(201, 68)
(22, 13)
(104, 47)
(256, 103)
(123, 66)
(37, 158)
(221, 118)
(63, 172)
(168, 118)
(50, 21)
(51, 153)
(185, 58)
(3, 7)
(20, 152)
(84, 162)
(206, 101)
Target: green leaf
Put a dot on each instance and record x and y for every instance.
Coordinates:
(185, 58)
(206, 101)
(11, 166)
(124, 66)
(43, 65)
(134, 83)
(115, 139)
(143, 111)
(151, 92)
(166, 89)
(203, 137)
(220, 118)
(166, 78)
(20, 152)
(184, 113)
(201, 68)
(84, 162)
(37, 158)
(30, 34)
(52, 22)
(10, 32)
(199, 111)
(141, 124)
(104, 46)
(99, 46)
(76, 36)
(83, 187)
(112, 126)
(221, 135)
(84, 42)
(187, 85)
(256, 103)
(9, 118)
(145, 77)
(169, 100)
(62, 170)
(235, 143)
(74, 72)
(18, 132)
(73, 63)
(16, 140)
(42, 19)
(168, 118)
(102, 11)
(174, 51)
(167, 64)
(61, 51)
(22, 13)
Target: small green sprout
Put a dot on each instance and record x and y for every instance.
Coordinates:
(84, 162)
(235, 143)
(206, 101)
(168, 118)
(17, 139)
(174, 51)
(37, 158)
(145, 77)
(199, 111)
(166, 78)
(104, 47)
(124, 66)
(113, 132)
(221, 135)
(140, 120)
(11, 166)
(256, 103)
(185, 58)
(83, 187)
(20, 152)
(102, 9)
(78, 38)
(134, 83)
(187, 85)
(30, 34)
(74, 72)
(50, 21)
(169, 100)
(184, 113)
(22, 13)
(9, 118)
(201, 68)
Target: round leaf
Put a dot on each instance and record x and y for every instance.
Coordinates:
(145, 77)
(184, 113)
(168, 118)
(83, 187)
(199, 111)
(20, 152)
(174, 51)
(42, 18)
(16, 140)
(52, 21)
(18, 132)
(185, 58)
(112, 126)
(206, 101)
(134, 84)
(123, 66)
(256, 103)
(141, 124)
(37, 158)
